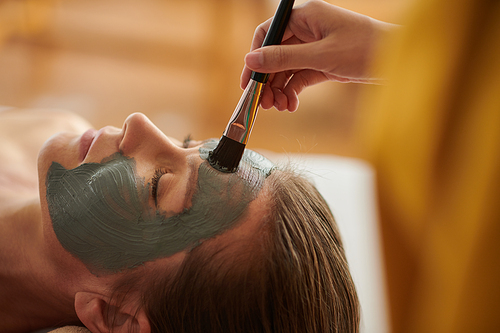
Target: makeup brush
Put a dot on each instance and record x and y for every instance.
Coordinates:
(227, 155)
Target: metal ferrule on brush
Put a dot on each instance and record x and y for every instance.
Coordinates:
(241, 123)
(229, 151)
(227, 155)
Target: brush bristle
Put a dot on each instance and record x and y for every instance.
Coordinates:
(227, 155)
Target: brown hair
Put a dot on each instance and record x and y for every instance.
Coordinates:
(291, 277)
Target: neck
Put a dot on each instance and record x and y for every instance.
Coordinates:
(33, 291)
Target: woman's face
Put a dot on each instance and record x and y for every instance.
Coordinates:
(117, 198)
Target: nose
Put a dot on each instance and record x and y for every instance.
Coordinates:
(142, 137)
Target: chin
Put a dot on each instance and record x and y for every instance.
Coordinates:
(62, 148)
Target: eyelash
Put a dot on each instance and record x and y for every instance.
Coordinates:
(160, 172)
(154, 183)
(187, 141)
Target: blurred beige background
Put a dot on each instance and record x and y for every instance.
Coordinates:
(177, 61)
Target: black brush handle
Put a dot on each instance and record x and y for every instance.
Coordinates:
(275, 33)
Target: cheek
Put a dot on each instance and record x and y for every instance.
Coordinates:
(58, 148)
(99, 215)
(50, 241)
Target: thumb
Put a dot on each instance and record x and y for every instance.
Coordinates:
(277, 58)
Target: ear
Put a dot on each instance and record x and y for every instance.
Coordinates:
(99, 316)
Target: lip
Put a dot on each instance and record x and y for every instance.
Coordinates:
(85, 142)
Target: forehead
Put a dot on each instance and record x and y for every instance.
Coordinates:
(253, 168)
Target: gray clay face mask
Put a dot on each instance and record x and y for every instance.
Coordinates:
(101, 214)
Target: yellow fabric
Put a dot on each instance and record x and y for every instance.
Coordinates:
(434, 138)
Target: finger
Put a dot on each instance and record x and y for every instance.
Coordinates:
(280, 99)
(291, 40)
(293, 103)
(277, 58)
(245, 77)
(267, 100)
(260, 34)
(277, 85)
(258, 38)
(261, 31)
(247, 72)
(299, 81)
(281, 79)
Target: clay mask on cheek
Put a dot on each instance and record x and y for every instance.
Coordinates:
(100, 212)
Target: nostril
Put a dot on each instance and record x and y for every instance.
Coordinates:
(136, 130)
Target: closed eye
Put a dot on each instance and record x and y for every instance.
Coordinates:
(154, 184)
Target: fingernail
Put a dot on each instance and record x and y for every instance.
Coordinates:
(254, 60)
